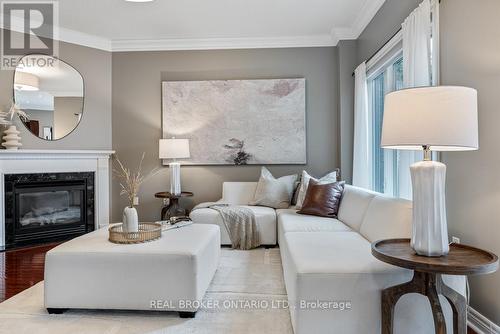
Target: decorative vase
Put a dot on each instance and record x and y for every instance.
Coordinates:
(12, 141)
(430, 230)
(130, 220)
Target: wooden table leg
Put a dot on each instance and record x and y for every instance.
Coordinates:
(458, 305)
(432, 294)
(431, 286)
(390, 297)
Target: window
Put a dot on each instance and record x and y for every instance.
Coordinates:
(385, 79)
(388, 171)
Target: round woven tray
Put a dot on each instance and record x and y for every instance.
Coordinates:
(147, 232)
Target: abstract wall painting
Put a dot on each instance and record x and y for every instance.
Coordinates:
(238, 122)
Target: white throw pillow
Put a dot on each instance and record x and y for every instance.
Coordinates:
(304, 183)
(272, 192)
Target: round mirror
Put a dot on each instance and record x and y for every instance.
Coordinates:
(50, 92)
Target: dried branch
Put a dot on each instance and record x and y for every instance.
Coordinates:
(130, 182)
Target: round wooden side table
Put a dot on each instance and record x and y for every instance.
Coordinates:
(173, 209)
(462, 260)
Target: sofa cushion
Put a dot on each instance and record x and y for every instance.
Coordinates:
(238, 193)
(304, 184)
(274, 192)
(387, 218)
(264, 217)
(353, 205)
(322, 199)
(290, 221)
(328, 253)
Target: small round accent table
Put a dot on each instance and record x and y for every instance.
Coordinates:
(462, 260)
(173, 209)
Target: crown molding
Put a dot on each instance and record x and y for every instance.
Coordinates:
(366, 14)
(65, 35)
(222, 43)
(80, 38)
(343, 33)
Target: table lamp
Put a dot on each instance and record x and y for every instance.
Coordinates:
(442, 118)
(174, 149)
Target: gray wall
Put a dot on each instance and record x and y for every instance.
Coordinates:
(45, 118)
(65, 118)
(470, 51)
(94, 131)
(386, 23)
(137, 78)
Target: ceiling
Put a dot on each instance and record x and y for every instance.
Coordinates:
(118, 25)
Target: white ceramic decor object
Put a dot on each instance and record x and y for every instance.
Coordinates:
(12, 141)
(130, 220)
(430, 229)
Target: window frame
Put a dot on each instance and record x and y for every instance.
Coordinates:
(385, 171)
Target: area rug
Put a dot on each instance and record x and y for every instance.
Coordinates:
(248, 287)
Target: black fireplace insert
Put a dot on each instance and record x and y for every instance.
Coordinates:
(41, 208)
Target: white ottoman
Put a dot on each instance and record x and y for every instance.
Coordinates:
(169, 274)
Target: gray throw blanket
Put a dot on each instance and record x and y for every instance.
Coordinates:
(240, 224)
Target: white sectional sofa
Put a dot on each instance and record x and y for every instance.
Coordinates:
(330, 260)
(239, 193)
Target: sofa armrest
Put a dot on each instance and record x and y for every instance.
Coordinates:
(238, 193)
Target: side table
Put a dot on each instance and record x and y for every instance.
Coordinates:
(462, 260)
(173, 209)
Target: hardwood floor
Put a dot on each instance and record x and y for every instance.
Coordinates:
(21, 269)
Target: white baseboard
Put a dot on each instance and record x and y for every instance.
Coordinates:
(480, 323)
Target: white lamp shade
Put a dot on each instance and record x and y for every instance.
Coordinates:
(26, 81)
(174, 148)
(443, 117)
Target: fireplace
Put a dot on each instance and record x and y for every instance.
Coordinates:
(45, 207)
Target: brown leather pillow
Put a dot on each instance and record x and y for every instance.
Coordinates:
(322, 199)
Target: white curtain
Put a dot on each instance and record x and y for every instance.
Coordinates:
(417, 47)
(362, 174)
(420, 35)
(418, 70)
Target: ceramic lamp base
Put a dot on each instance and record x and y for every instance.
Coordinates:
(430, 230)
(175, 178)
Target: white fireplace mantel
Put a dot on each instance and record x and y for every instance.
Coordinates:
(54, 154)
(59, 161)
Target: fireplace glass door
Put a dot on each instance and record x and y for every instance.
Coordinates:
(38, 207)
(46, 207)
(49, 210)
